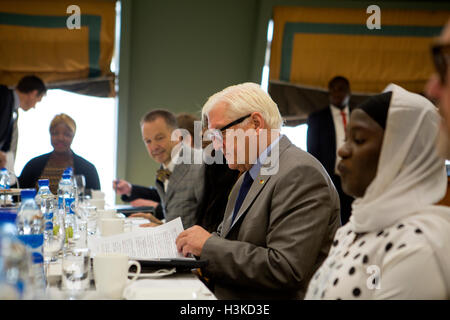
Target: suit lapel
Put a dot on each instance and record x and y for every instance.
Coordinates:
(257, 186)
(226, 224)
(251, 196)
(160, 188)
(177, 175)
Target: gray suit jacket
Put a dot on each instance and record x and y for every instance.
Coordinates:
(281, 234)
(184, 192)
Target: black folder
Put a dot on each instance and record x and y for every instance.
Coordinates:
(128, 209)
(179, 264)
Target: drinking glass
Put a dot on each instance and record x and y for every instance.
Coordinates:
(80, 182)
(91, 217)
(81, 240)
(75, 272)
(54, 234)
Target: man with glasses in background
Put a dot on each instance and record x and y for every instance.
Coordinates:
(281, 214)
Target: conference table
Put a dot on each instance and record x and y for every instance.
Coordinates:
(163, 284)
(173, 286)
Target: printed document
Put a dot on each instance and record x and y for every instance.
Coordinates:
(151, 243)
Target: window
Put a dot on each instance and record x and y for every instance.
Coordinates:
(94, 138)
(96, 119)
(297, 134)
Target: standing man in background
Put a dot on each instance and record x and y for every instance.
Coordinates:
(28, 92)
(326, 134)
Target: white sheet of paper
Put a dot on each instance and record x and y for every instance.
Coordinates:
(146, 243)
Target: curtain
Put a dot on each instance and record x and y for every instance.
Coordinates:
(35, 39)
(312, 45)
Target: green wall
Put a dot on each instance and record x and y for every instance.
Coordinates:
(174, 54)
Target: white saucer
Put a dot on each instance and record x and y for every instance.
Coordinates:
(154, 275)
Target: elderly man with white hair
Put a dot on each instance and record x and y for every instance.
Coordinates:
(282, 213)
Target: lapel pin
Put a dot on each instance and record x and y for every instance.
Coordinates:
(261, 181)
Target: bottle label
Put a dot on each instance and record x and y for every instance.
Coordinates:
(20, 285)
(32, 240)
(48, 215)
(35, 242)
(37, 257)
(70, 205)
(49, 225)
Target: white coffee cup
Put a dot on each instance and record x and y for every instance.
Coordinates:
(109, 213)
(111, 273)
(98, 203)
(109, 227)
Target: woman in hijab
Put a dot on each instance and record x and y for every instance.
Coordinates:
(397, 242)
(51, 165)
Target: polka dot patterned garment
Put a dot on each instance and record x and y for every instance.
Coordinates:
(394, 263)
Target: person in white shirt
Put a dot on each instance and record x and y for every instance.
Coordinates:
(28, 92)
(397, 242)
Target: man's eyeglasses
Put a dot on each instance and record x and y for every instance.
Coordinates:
(218, 133)
(441, 54)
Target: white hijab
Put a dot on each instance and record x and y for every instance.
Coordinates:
(411, 177)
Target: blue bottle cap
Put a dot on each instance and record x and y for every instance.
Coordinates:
(27, 193)
(3, 169)
(66, 176)
(43, 182)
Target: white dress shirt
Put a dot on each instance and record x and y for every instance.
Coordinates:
(11, 153)
(171, 167)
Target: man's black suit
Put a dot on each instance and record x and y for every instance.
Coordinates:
(321, 143)
(6, 117)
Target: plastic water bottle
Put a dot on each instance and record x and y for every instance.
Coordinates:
(43, 192)
(58, 193)
(5, 180)
(30, 230)
(15, 261)
(66, 196)
(44, 199)
(5, 184)
(63, 185)
(69, 170)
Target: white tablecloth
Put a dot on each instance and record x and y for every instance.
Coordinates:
(176, 286)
